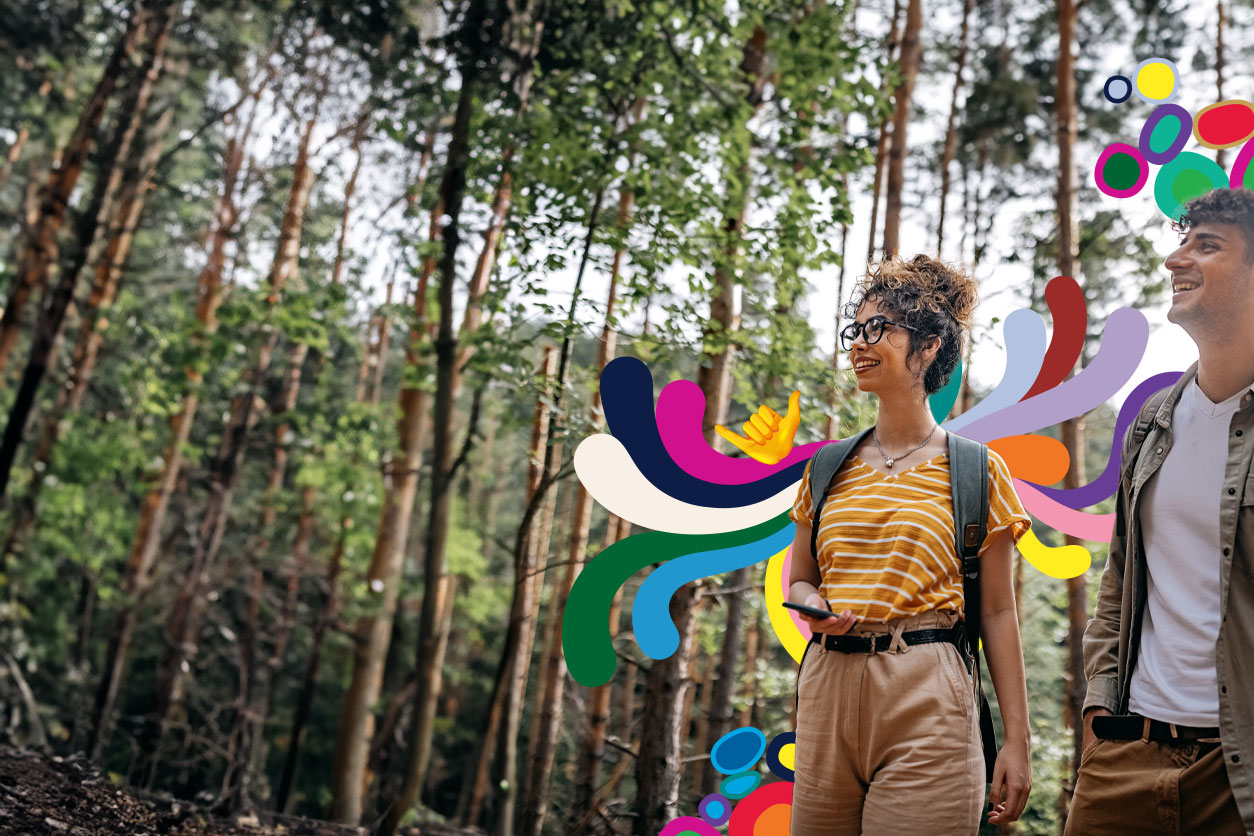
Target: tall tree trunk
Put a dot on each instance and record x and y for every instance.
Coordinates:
(911, 52)
(1072, 431)
(881, 145)
(701, 737)
(136, 579)
(553, 676)
(750, 688)
(657, 767)
(513, 667)
(951, 131)
(51, 320)
(39, 252)
(184, 624)
(1219, 67)
(304, 700)
(592, 744)
(136, 182)
(725, 680)
(525, 31)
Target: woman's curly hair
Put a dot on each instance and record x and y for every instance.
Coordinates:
(928, 295)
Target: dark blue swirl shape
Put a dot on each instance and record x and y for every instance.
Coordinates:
(627, 398)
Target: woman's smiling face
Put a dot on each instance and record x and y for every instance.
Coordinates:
(886, 364)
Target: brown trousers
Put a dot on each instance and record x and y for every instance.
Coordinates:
(1130, 787)
(888, 744)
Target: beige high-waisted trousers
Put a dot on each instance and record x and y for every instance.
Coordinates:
(888, 744)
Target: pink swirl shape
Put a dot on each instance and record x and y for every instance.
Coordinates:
(1096, 527)
(680, 412)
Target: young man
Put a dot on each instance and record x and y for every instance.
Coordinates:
(1169, 654)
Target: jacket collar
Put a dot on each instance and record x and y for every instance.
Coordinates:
(1163, 417)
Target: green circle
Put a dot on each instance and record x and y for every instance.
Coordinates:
(1184, 178)
(1121, 171)
(1165, 133)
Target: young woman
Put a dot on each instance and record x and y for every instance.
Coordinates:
(888, 741)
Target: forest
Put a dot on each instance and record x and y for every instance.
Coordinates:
(305, 309)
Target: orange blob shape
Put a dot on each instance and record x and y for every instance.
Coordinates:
(774, 821)
(1224, 124)
(1033, 458)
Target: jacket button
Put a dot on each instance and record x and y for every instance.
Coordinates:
(1158, 452)
(1226, 550)
(1223, 689)
(1236, 758)
(1239, 433)
(1231, 491)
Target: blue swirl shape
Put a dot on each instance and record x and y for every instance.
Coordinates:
(650, 613)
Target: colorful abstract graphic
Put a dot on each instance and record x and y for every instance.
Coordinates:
(1123, 169)
(711, 513)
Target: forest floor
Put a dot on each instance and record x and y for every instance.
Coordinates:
(48, 796)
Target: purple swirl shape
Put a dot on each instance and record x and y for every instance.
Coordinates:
(1123, 345)
(1104, 486)
(680, 412)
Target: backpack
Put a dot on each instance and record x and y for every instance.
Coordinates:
(968, 480)
(1137, 433)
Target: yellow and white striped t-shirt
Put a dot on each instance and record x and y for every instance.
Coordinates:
(886, 543)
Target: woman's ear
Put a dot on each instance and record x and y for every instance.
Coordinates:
(931, 348)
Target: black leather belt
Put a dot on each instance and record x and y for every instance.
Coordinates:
(875, 644)
(1133, 727)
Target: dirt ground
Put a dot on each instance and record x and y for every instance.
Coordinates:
(45, 796)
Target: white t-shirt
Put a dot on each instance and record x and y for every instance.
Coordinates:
(1174, 680)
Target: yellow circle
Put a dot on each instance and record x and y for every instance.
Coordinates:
(1155, 81)
(788, 755)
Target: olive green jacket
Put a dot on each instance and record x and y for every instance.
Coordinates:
(1113, 637)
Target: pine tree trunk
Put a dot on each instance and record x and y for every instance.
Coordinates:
(430, 643)
(701, 737)
(725, 681)
(304, 699)
(657, 767)
(184, 624)
(136, 182)
(750, 692)
(951, 131)
(592, 745)
(911, 52)
(136, 579)
(512, 667)
(553, 676)
(51, 320)
(667, 683)
(1219, 67)
(39, 252)
(881, 145)
(1072, 431)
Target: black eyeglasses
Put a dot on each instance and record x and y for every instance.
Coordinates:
(872, 329)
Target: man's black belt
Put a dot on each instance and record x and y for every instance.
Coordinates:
(1136, 727)
(876, 644)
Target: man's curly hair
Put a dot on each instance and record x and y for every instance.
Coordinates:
(1221, 206)
(928, 295)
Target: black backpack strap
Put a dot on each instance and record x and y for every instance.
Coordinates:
(823, 466)
(968, 483)
(1137, 433)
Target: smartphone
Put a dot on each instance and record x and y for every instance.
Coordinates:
(813, 612)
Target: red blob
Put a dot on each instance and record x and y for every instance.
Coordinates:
(1067, 304)
(756, 809)
(1224, 124)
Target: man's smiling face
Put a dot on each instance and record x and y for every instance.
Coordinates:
(1211, 280)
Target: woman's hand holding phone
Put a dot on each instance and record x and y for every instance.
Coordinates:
(836, 625)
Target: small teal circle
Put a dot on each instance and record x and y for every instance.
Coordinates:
(738, 786)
